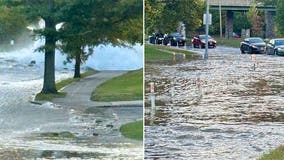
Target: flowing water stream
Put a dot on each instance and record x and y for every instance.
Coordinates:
(29, 131)
(229, 107)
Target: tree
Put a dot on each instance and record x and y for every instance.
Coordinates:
(12, 23)
(49, 11)
(123, 23)
(257, 21)
(153, 16)
(86, 23)
(241, 21)
(279, 17)
(168, 13)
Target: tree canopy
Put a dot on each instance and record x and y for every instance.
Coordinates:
(163, 16)
(83, 29)
(279, 17)
(12, 23)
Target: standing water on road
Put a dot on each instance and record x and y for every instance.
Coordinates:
(218, 109)
(50, 131)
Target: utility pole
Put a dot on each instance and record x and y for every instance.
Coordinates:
(207, 30)
(220, 16)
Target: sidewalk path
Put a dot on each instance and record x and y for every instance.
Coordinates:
(79, 93)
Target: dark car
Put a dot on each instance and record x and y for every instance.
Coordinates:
(174, 39)
(199, 41)
(156, 38)
(275, 47)
(252, 45)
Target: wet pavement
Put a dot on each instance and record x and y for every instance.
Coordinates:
(228, 107)
(50, 131)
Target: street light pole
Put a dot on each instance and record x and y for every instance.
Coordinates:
(220, 16)
(207, 30)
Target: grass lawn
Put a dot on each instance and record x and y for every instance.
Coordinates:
(133, 130)
(232, 42)
(154, 53)
(173, 49)
(277, 154)
(126, 87)
(61, 84)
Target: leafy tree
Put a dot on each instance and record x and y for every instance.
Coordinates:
(118, 26)
(49, 11)
(257, 21)
(12, 23)
(86, 23)
(214, 28)
(241, 21)
(279, 17)
(153, 16)
(167, 14)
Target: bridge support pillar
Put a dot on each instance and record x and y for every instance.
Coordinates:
(229, 24)
(269, 24)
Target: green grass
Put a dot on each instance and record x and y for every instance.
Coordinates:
(152, 53)
(173, 49)
(232, 42)
(277, 154)
(48, 97)
(133, 130)
(123, 88)
(155, 53)
(61, 84)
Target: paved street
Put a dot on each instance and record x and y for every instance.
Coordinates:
(229, 107)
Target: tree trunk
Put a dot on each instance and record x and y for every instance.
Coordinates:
(49, 68)
(77, 65)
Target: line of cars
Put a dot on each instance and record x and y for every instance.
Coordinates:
(257, 45)
(176, 39)
(173, 39)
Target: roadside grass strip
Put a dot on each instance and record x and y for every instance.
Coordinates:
(133, 130)
(154, 53)
(277, 154)
(126, 87)
(232, 42)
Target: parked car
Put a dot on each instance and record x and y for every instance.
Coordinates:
(199, 41)
(235, 35)
(275, 47)
(156, 38)
(253, 45)
(174, 39)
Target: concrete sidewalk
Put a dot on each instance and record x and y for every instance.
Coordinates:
(79, 93)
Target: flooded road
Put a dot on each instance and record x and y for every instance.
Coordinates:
(228, 107)
(29, 131)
